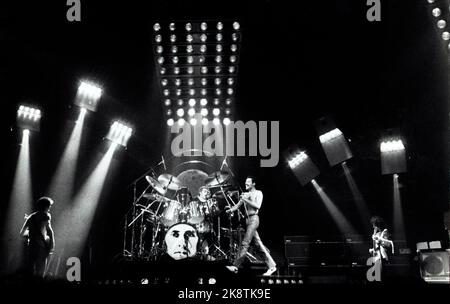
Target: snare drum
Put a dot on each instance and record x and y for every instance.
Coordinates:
(171, 213)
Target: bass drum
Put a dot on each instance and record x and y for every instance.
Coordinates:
(181, 241)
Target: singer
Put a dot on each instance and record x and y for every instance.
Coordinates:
(252, 201)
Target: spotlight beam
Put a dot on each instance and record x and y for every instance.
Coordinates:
(357, 196)
(343, 224)
(399, 227)
(19, 204)
(78, 219)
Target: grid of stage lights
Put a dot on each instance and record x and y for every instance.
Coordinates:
(119, 133)
(392, 146)
(441, 15)
(28, 118)
(197, 66)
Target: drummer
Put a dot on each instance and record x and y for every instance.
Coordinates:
(204, 205)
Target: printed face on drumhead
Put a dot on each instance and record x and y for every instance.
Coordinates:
(181, 241)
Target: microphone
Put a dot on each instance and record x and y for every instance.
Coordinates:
(224, 162)
(163, 162)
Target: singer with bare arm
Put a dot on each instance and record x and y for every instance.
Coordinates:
(40, 237)
(252, 201)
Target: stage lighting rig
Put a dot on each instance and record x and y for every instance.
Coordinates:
(197, 67)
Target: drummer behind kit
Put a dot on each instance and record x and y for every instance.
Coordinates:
(183, 227)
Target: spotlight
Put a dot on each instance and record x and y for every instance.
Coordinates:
(302, 166)
(189, 38)
(190, 59)
(158, 38)
(88, 95)
(233, 48)
(170, 122)
(164, 82)
(218, 59)
(228, 101)
(230, 81)
(216, 121)
(204, 81)
(216, 101)
(189, 48)
(236, 25)
(201, 59)
(226, 121)
(173, 38)
(216, 112)
(190, 70)
(219, 37)
(181, 122)
(227, 111)
(180, 112)
(177, 82)
(392, 146)
(436, 12)
(203, 92)
(203, 102)
(219, 48)
(333, 141)
(175, 59)
(28, 118)
(217, 69)
(172, 26)
(204, 121)
(204, 70)
(180, 102)
(204, 26)
(188, 27)
(162, 71)
(166, 92)
(233, 59)
(174, 49)
(446, 36)
(169, 112)
(230, 91)
(234, 37)
(191, 112)
(203, 37)
(218, 92)
(159, 49)
(119, 133)
(441, 24)
(193, 121)
(217, 81)
(393, 157)
(156, 27)
(231, 69)
(192, 102)
(203, 48)
(204, 112)
(219, 26)
(176, 70)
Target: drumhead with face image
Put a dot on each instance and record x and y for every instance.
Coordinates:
(181, 241)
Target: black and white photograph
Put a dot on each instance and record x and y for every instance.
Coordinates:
(225, 151)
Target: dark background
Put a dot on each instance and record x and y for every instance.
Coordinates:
(298, 63)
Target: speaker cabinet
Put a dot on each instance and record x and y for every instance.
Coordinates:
(434, 266)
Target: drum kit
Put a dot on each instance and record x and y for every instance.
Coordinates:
(169, 206)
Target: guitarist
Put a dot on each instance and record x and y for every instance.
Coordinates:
(40, 237)
(382, 244)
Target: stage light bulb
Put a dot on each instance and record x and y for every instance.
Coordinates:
(236, 25)
(191, 81)
(205, 121)
(193, 121)
(203, 102)
(188, 27)
(226, 121)
(204, 112)
(174, 49)
(216, 121)
(192, 102)
(181, 122)
(191, 112)
(180, 112)
(204, 81)
(170, 122)
(172, 26)
(216, 112)
(167, 102)
(436, 12)
(159, 49)
(156, 27)
(204, 26)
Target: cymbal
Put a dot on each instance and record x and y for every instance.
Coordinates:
(169, 182)
(217, 178)
(155, 185)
